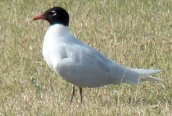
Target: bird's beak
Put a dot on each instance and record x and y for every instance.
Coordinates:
(39, 17)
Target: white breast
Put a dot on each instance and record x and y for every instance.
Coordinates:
(53, 49)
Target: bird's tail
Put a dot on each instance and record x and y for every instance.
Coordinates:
(145, 74)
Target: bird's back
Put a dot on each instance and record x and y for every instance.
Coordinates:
(81, 64)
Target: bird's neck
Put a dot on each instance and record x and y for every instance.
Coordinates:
(56, 33)
(58, 30)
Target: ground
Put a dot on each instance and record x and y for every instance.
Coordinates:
(135, 33)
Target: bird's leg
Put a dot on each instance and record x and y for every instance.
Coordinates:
(80, 91)
(73, 94)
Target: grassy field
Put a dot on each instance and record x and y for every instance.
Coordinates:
(136, 33)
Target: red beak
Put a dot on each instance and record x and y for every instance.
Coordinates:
(39, 17)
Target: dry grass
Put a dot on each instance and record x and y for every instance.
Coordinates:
(136, 33)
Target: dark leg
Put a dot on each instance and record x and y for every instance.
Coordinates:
(73, 94)
(80, 91)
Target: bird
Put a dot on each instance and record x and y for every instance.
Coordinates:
(78, 63)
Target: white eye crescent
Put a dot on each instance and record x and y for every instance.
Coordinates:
(54, 13)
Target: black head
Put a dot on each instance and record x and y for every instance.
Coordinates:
(55, 15)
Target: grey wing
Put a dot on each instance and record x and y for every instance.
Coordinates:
(86, 67)
(115, 72)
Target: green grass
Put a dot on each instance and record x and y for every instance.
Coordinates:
(136, 33)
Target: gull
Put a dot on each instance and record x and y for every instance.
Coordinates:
(80, 64)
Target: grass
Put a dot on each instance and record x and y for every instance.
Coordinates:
(136, 33)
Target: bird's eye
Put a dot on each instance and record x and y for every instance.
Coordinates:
(53, 13)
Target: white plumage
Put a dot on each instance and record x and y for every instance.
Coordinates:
(80, 64)
(83, 65)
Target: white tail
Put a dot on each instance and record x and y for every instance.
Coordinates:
(145, 74)
(150, 78)
(146, 71)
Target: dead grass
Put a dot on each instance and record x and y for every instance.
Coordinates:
(135, 33)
